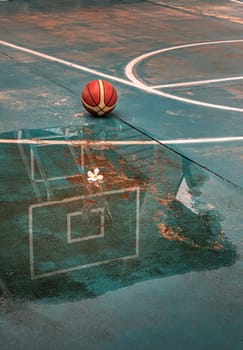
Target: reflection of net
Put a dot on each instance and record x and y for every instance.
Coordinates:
(49, 165)
(54, 167)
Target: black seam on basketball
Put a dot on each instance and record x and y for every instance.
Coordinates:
(102, 81)
(113, 91)
(92, 97)
(87, 105)
(103, 109)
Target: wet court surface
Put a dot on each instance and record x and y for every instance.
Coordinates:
(151, 255)
(122, 262)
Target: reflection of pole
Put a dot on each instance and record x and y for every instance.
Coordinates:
(137, 220)
(32, 163)
(36, 158)
(28, 168)
(80, 168)
(82, 157)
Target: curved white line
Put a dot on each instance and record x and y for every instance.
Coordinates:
(133, 81)
(66, 63)
(129, 70)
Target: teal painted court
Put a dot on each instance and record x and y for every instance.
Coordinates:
(122, 231)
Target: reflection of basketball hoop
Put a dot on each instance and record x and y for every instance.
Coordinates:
(85, 220)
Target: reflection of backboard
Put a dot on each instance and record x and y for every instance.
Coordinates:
(84, 231)
(75, 224)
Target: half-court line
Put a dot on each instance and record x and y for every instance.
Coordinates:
(101, 143)
(195, 83)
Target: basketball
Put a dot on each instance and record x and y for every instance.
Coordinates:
(99, 97)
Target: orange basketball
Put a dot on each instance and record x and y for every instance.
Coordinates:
(99, 97)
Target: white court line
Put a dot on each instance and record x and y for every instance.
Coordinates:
(131, 75)
(198, 82)
(237, 2)
(64, 62)
(133, 81)
(101, 143)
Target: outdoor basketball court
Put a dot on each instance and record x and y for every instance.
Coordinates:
(149, 256)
